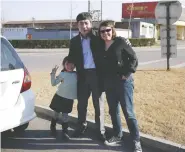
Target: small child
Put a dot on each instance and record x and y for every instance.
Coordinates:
(63, 99)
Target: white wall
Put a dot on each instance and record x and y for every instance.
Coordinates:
(147, 30)
(124, 33)
(15, 33)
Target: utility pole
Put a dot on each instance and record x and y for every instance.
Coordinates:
(71, 14)
(101, 10)
(129, 25)
(1, 26)
(89, 6)
(33, 22)
(71, 18)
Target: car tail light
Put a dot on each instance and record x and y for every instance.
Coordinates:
(26, 85)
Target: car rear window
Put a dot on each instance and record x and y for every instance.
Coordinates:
(9, 58)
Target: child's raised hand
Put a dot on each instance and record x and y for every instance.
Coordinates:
(54, 70)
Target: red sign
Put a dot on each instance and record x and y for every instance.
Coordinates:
(139, 10)
(29, 36)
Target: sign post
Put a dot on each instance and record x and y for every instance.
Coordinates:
(166, 15)
(172, 41)
(168, 34)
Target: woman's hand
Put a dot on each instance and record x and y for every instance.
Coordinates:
(124, 77)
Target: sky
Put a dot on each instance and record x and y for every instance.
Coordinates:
(20, 10)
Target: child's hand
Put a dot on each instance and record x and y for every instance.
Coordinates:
(54, 70)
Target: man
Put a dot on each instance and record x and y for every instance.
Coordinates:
(84, 52)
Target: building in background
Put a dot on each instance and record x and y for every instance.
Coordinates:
(40, 24)
(15, 33)
(52, 29)
(143, 25)
(51, 34)
(37, 34)
(145, 12)
(142, 30)
(41, 29)
(126, 33)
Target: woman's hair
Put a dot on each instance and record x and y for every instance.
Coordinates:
(66, 59)
(108, 23)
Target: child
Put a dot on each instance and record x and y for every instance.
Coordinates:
(63, 99)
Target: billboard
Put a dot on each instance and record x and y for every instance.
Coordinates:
(140, 10)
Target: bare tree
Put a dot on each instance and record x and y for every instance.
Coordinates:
(96, 14)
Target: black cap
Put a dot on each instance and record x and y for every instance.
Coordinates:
(84, 16)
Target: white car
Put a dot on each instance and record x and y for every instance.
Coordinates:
(16, 97)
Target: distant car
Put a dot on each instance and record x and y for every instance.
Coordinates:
(16, 97)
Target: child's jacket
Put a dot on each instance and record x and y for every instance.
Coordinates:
(68, 84)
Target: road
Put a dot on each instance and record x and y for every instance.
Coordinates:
(148, 58)
(37, 139)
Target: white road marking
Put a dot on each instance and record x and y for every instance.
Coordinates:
(156, 61)
(150, 62)
(44, 54)
(179, 65)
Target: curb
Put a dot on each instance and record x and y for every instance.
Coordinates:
(147, 140)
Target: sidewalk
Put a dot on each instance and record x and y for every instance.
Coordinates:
(149, 143)
(37, 138)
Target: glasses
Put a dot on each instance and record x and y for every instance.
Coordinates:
(107, 30)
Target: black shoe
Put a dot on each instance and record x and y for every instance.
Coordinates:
(65, 131)
(53, 128)
(65, 135)
(80, 130)
(113, 141)
(53, 131)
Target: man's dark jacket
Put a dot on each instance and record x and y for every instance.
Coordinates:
(76, 54)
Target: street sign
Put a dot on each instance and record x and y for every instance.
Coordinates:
(173, 41)
(175, 11)
(167, 13)
(173, 51)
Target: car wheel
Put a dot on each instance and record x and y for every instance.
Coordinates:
(21, 128)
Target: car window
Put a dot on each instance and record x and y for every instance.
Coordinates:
(9, 58)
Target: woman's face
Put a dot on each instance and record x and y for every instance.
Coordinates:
(106, 33)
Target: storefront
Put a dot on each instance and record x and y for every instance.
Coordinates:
(180, 30)
(180, 27)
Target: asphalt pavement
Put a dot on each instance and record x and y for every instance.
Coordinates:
(37, 138)
(149, 58)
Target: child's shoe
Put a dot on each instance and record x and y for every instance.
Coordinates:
(65, 131)
(53, 128)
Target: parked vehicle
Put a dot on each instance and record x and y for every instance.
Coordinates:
(16, 97)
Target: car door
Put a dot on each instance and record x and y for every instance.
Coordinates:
(11, 75)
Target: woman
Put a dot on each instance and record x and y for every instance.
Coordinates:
(119, 63)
